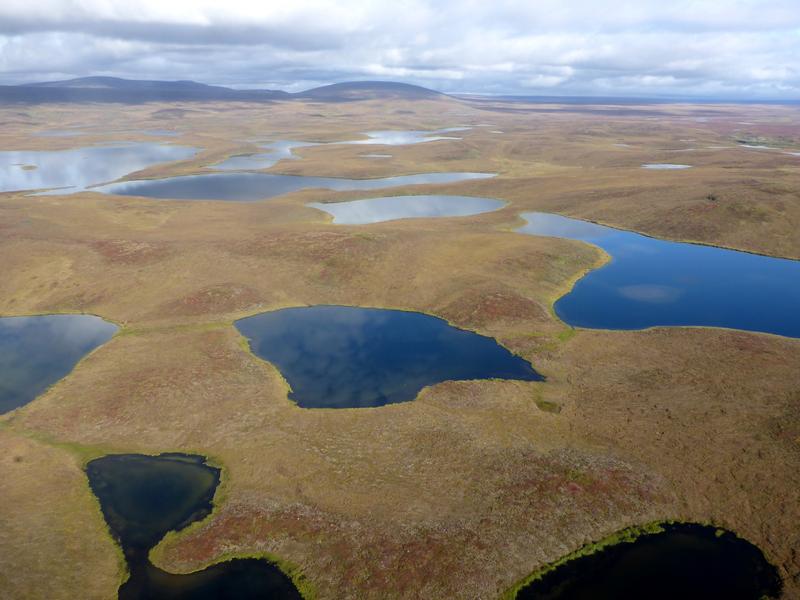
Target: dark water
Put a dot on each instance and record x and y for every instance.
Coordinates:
(79, 168)
(249, 187)
(35, 352)
(349, 357)
(144, 497)
(374, 210)
(653, 282)
(685, 562)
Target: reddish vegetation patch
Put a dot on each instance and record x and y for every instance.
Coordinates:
(457, 554)
(222, 298)
(131, 252)
(316, 245)
(479, 307)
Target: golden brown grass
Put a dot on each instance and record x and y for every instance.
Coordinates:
(467, 489)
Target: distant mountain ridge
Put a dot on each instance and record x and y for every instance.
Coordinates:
(136, 91)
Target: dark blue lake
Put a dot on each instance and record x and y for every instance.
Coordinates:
(652, 282)
(144, 497)
(35, 352)
(249, 187)
(685, 561)
(350, 357)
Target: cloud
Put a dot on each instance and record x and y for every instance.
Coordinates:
(744, 48)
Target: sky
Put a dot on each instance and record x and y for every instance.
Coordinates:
(734, 49)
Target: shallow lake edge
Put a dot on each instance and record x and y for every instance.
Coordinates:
(245, 343)
(155, 554)
(624, 536)
(6, 417)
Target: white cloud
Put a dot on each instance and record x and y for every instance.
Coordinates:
(685, 47)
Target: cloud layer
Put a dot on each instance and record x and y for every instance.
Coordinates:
(736, 49)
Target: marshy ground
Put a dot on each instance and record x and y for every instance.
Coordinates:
(470, 487)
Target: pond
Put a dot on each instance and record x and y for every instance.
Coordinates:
(35, 352)
(351, 357)
(250, 187)
(407, 137)
(142, 498)
(685, 561)
(278, 151)
(79, 168)
(651, 282)
(374, 210)
(665, 167)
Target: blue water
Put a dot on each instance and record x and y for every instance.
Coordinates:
(349, 357)
(35, 352)
(652, 282)
(249, 187)
(375, 210)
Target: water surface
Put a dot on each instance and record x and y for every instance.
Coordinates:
(78, 168)
(249, 187)
(350, 357)
(280, 150)
(665, 167)
(653, 282)
(407, 137)
(685, 561)
(60, 133)
(374, 210)
(35, 352)
(144, 497)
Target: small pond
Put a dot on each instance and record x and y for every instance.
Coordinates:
(407, 137)
(665, 167)
(350, 357)
(35, 352)
(249, 187)
(684, 561)
(374, 210)
(277, 151)
(78, 168)
(651, 282)
(144, 497)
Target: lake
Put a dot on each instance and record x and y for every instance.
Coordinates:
(685, 561)
(79, 168)
(250, 187)
(651, 282)
(278, 151)
(351, 357)
(142, 498)
(374, 210)
(37, 351)
(665, 167)
(407, 137)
